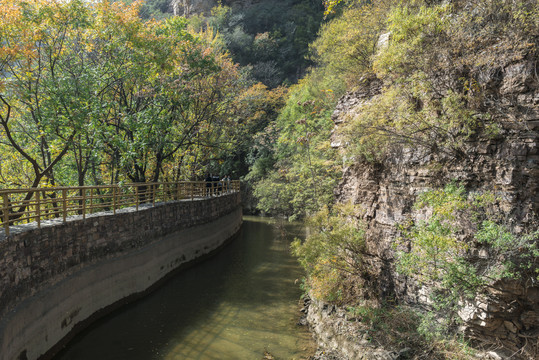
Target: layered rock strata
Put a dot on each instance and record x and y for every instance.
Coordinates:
(506, 164)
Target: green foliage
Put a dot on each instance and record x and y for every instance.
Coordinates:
(431, 102)
(431, 38)
(269, 37)
(300, 171)
(399, 326)
(332, 251)
(330, 5)
(436, 251)
(423, 96)
(93, 90)
(156, 9)
(412, 111)
(297, 175)
(431, 328)
(407, 115)
(414, 32)
(518, 254)
(254, 108)
(270, 40)
(347, 49)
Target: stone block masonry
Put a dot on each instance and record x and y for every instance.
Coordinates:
(56, 278)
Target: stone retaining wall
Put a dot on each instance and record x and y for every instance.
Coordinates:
(60, 275)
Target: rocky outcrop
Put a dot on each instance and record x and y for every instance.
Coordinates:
(506, 164)
(341, 336)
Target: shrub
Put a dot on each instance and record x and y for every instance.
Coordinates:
(333, 251)
(305, 169)
(438, 252)
(347, 44)
(434, 98)
(408, 116)
(415, 32)
(404, 327)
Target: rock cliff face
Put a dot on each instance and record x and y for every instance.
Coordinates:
(507, 165)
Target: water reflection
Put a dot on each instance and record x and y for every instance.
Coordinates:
(236, 305)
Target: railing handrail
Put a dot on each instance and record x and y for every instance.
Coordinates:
(44, 203)
(25, 190)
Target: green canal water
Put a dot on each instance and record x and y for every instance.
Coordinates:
(239, 304)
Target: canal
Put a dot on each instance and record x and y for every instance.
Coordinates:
(239, 304)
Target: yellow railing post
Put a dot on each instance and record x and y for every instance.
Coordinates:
(64, 204)
(38, 209)
(114, 199)
(84, 203)
(91, 199)
(26, 214)
(136, 196)
(5, 212)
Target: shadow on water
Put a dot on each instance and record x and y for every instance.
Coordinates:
(236, 305)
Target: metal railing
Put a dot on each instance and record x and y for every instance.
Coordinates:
(19, 206)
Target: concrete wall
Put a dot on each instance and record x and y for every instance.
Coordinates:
(54, 280)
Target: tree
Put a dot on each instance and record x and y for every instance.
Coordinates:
(41, 111)
(95, 89)
(441, 250)
(304, 170)
(347, 44)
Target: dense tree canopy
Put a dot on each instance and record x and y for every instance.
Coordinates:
(270, 38)
(92, 90)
